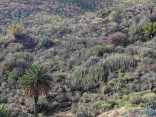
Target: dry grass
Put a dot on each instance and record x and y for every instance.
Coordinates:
(119, 113)
(63, 115)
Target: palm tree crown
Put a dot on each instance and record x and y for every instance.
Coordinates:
(36, 81)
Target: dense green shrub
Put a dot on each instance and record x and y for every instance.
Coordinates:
(89, 78)
(118, 61)
(47, 43)
(27, 57)
(15, 30)
(150, 29)
(149, 96)
(137, 24)
(115, 28)
(86, 79)
(12, 78)
(104, 89)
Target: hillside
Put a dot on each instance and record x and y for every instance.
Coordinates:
(101, 55)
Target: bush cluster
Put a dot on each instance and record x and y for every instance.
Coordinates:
(117, 39)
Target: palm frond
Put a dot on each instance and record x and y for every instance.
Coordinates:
(37, 81)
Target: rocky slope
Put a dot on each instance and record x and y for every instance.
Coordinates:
(101, 55)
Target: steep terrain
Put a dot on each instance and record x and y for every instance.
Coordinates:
(101, 55)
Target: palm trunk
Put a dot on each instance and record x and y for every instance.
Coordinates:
(35, 105)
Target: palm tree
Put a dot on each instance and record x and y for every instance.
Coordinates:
(36, 82)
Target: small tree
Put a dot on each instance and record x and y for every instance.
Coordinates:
(36, 82)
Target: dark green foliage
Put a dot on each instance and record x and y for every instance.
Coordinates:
(115, 28)
(12, 78)
(21, 72)
(47, 43)
(139, 32)
(27, 57)
(43, 84)
(150, 29)
(3, 111)
(17, 14)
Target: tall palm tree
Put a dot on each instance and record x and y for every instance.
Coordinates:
(36, 82)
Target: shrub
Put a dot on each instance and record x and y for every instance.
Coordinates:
(106, 106)
(149, 96)
(6, 70)
(91, 61)
(82, 112)
(113, 15)
(114, 28)
(104, 89)
(117, 38)
(15, 30)
(136, 28)
(87, 79)
(118, 61)
(99, 50)
(95, 51)
(90, 78)
(153, 68)
(46, 43)
(150, 29)
(27, 57)
(154, 14)
(12, 78)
